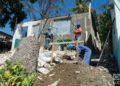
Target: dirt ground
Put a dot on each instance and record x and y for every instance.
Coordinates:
(76, 75)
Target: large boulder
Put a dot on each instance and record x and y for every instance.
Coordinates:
(27, 53)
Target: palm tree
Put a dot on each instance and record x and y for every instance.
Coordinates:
(81, 6)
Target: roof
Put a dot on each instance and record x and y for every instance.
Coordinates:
(5, 34)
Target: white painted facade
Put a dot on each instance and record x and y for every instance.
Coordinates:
(116, 30)
(30, 30)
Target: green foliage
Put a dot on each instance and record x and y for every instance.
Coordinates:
(10, 12)
(105, 24)
(15, 11)
(81, 6)
(16, 75)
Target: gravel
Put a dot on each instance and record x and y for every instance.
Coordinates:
(27, 53)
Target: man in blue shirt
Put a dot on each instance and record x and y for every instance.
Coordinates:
(87, 52)
(48, 38)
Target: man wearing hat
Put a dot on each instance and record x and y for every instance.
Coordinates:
(48, 38)
(77, 32)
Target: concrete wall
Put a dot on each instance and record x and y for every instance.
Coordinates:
(83, 19)
(17, 34)
(116, 31)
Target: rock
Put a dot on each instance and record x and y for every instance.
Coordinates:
(2, 60)
(77, 71)
(54, 83)
(51, 75)
(27, 53)
(58, 60)
(46, 56)
(43, 70)
(41, 63)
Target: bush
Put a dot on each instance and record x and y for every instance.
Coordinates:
(16, 75)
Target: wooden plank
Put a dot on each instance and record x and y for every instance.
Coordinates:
(57, 43)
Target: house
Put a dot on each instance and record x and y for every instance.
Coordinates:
(62, 28)
(5, 41)
(116, 30)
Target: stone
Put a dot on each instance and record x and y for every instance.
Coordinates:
(43, 70)
(54, 83)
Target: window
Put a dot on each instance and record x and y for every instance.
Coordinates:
(62, 27)
(24, 31)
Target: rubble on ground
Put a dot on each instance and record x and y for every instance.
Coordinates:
(6, 56)
(68, 73)
(58, 68)
(76, 75)
(27, 53)
(48, 59)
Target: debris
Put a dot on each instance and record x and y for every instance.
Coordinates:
(77, 71)
(54, 83)
(46, 56)
(39, 78)
(6, 56)
(27, 53)
(43, 70)
(51, 75)
(78, 75)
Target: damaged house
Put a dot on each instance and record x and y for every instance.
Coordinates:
(5, 41)
(62, 28)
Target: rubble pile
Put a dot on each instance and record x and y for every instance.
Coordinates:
(27, 53)
(48, 59)
(58, 68)
(76, 75)
(6, 56)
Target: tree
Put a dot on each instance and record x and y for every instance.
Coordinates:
(105, 22)
(81, 6)
(46, 8)
(15, 11)
(11, 11)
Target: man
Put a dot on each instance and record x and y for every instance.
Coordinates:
(80, 48)
(48, 38)
(77, 32)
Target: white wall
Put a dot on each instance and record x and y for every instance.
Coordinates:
(116, 31)
(17, 34)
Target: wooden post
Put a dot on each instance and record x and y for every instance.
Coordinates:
(77, 50)
(90, 10)
(53, 49)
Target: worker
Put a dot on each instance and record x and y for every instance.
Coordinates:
(80, 48)
(77, 32)
(48, 38)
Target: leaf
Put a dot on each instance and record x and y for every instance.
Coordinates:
(7, 74)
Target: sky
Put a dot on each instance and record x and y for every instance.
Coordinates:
(96, 4)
